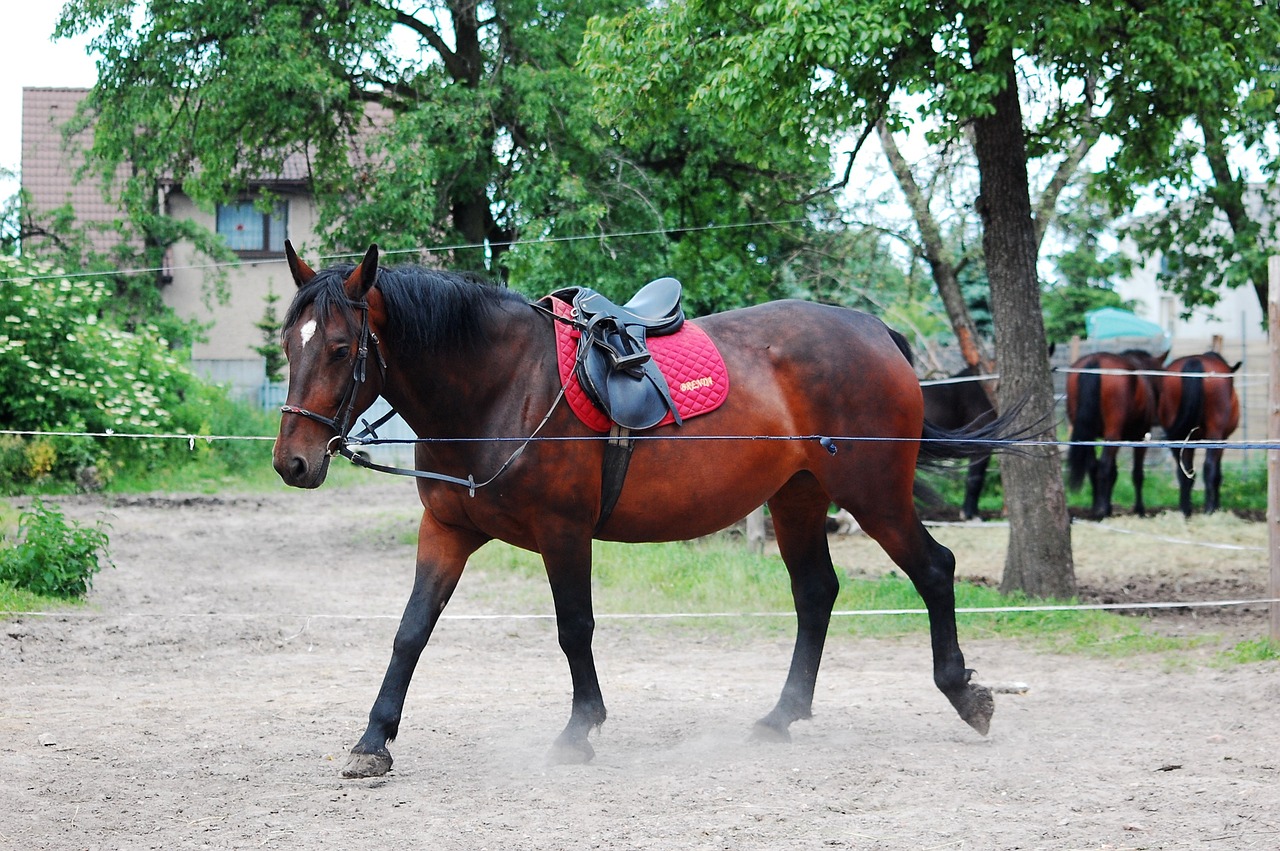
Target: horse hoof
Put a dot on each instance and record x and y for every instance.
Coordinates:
(763, 732)
(571, 753)
(975, 706)
(367, 764)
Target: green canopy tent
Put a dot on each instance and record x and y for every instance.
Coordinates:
(1108, 322)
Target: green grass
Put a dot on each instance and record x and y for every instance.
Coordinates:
(714, 575)
(1244, 488)
(19, 600)
(1255, 650)
(212, 467)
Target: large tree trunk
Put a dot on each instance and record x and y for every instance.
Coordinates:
(1039, 556)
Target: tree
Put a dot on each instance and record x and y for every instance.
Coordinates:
(272, 350)
(944, 263)
(448, 123)
(1199, 110)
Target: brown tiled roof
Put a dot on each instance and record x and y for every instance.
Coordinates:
(49, 161)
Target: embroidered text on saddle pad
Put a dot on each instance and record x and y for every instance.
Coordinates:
(695, 372)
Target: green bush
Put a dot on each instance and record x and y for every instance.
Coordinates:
(53, 556)
(66, 366)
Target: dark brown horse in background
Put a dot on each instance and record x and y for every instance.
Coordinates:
(958, 406)
(471, 366)
(1198, 402)
(1118, 404)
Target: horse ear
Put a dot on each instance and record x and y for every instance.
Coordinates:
(362, 277)
(1239, 364)
(302, 273)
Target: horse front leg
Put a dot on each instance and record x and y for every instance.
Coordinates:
(442, 554)
(799, 519)
(569, 573)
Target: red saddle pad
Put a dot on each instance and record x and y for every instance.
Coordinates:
(694, 369)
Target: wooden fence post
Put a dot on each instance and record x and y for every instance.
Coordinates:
(1273, 434)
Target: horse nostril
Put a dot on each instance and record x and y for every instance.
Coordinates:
(297, 468)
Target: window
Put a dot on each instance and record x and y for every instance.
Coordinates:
(251, 231)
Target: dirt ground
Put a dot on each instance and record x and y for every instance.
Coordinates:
(207, 696)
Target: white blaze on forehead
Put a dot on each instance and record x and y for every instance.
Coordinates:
(308, 331)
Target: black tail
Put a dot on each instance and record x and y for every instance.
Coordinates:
(903, 346)
(1190, 403)
(944, 444)
(940, 444)
(1087, 426)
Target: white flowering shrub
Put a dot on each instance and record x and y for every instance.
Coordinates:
(63, 367)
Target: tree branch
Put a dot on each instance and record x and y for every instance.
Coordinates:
(1045, 208)
(939, 258)
(452, 62)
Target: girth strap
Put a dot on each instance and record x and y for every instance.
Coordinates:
(617, 458)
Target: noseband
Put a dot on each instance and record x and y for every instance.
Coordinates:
(341, 422)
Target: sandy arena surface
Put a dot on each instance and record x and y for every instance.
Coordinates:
(207, 696)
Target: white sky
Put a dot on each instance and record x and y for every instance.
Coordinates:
(28, 57)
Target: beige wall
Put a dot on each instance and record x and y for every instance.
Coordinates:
(227, 353)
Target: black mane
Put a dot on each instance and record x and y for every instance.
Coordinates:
(428, 310)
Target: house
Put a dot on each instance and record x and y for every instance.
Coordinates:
(226, 355)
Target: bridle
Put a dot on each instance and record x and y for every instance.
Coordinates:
(341, 421)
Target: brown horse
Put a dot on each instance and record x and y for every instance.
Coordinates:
(1198, 402)
(1115, 405)
(470, 366)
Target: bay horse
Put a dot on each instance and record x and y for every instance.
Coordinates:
(959, 406)
(1115, 405)
(1198, 402)
(470, 365)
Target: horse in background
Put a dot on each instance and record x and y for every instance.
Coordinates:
(1198, 402)
(1116, 405)
(962, 405)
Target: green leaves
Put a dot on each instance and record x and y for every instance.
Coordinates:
(53, 556)
(62, 366)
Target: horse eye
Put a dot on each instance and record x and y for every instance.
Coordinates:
(341, 352)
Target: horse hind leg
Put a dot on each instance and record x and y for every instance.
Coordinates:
(974, 481)
(1104, 483)
(931, 568)
(1184, 460)
(1139, 474)
(799, 515)
(1212, 480)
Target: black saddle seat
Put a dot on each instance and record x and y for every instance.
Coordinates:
(614, 365)
(655, 307)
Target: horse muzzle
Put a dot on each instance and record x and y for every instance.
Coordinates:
(298, 468)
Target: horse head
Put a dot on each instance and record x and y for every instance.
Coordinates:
(328, 336)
